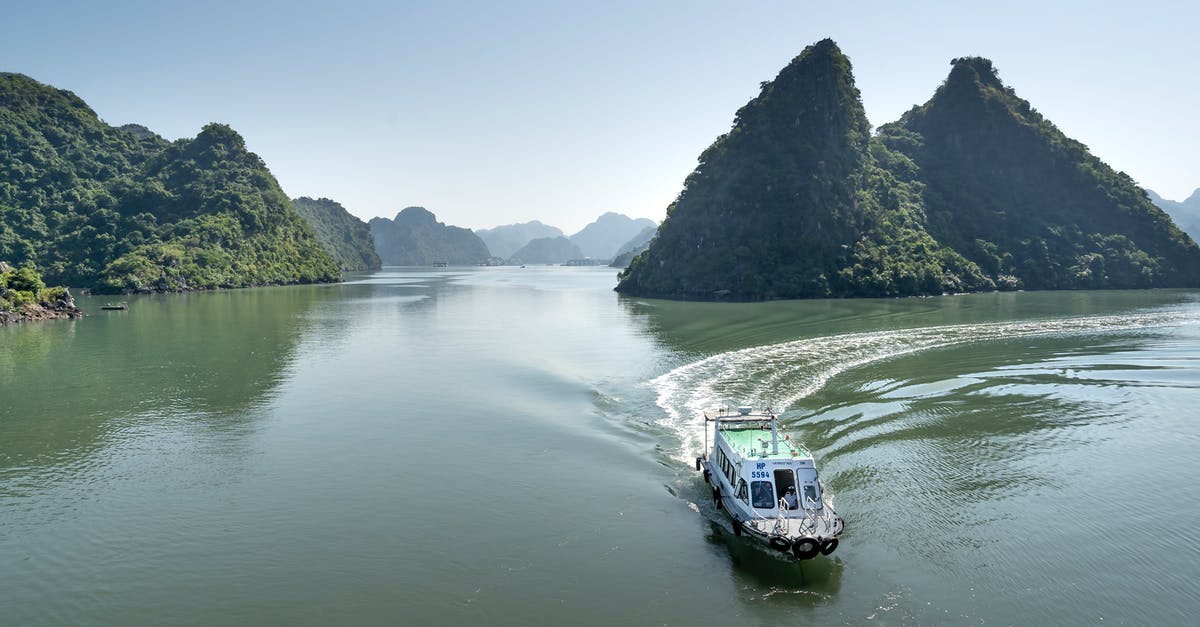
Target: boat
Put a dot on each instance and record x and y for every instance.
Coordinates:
(768, 485)
(114, 306)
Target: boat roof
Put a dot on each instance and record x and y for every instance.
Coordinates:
(746, 438)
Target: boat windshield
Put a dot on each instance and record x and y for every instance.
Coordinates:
(764, 494)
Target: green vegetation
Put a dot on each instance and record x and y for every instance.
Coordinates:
(346, 238)
(416, 238)
(973, 191)
(20, 288)
(1005, 187)
(121, 209)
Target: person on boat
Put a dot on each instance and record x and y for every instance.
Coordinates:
(790, 498)
(763, 495)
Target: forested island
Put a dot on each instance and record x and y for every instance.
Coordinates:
(974, 190)
(124, 210)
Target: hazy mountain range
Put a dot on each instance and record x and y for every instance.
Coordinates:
(1186, 214)
(601, 239)
(505, 240)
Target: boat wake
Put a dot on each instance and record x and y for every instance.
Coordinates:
(779, 375)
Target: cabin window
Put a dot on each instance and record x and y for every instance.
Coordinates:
(764, 494)
(741, 491)
(810, 493)
(725, 465)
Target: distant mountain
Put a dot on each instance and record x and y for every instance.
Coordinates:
(416, 238)
(546, 250)
(505, 240)
(973, 190)
(633, 247)
(601, 239)
(1186, 214)
(124, 210)
(346, 238)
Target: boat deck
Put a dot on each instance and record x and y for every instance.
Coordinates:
(748, 442)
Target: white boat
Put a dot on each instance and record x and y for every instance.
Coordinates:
(768, 484)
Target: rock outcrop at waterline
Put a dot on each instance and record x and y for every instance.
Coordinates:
(971, 191)
(23, 297)
(60, 309)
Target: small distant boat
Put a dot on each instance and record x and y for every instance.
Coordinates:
(768, 485)
(114, 306)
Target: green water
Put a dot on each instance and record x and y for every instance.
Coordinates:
(514, 446)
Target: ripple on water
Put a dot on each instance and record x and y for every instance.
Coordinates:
(1010, 468)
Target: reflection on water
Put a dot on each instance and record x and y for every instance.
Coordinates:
(763, 576)
(168, 364)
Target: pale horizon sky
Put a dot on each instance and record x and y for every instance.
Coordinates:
(490, 113)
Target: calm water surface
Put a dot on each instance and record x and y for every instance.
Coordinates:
(514, 446)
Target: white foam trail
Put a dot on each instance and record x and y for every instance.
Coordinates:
(782, 374)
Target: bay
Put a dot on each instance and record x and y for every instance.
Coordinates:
(514, 446)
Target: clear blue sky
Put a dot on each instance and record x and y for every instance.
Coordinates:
(489, 113)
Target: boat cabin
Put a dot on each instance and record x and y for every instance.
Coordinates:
(761, 468)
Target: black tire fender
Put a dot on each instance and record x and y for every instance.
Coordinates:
(717, 498)
(707, 476)
(737, 527)
(829, 546)
(806, 548)
(780, 544)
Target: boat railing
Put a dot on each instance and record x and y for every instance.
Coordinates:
(820, 515)
(781, 522)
